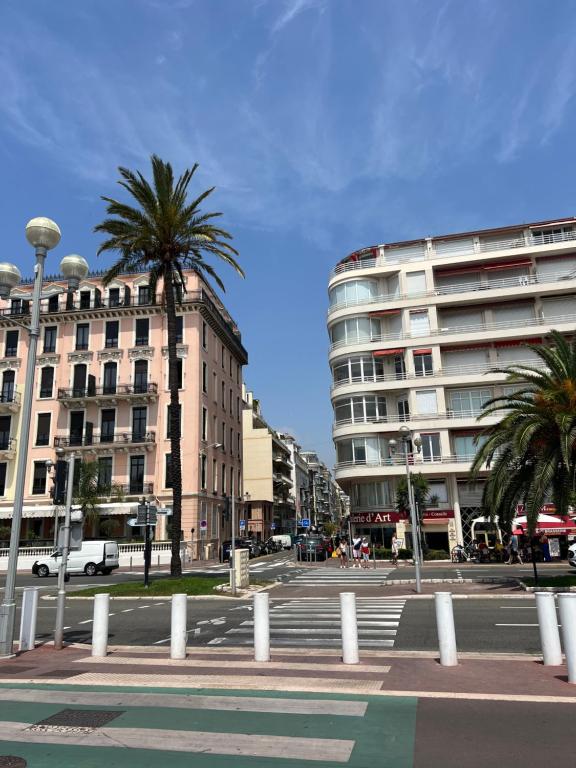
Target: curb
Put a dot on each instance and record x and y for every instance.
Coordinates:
(485, 580)
(559, 590)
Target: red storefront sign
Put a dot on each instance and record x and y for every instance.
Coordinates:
(383, 518)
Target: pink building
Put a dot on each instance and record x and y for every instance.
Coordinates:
(101, 390)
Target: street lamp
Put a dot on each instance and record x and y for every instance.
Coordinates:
(406, 438)
(43, 235)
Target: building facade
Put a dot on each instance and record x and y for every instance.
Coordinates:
(101, 391)
(416, 330)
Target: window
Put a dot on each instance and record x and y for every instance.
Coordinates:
(5, 425)
(169, 420)
(142, 332)
(178, 373)
(46, 381)
(53, 303)
(223, 364)
(354, 292)
(8, 378)
(423, 363)
(168, 471)
(215, 387)
(231, 443)
(214, 429)
(403, 408)
(230, 369)
(431, 447)
(237, 374)
(2, 479)
(223, 479)
(204, 334)
(468, 402)
(426, 402)
(375, 494)
(43, 429)
(465, 446)
(19, 307)
(11, 346)
(416, 283)
(437, 493)
(141, 376)
(39, 478)
(238, 408)
(144, 294)
(109, 380)
(114, 297)
(139, 424)
(107, 425)
(214, 475)
(419, 323)
(359, 450)
(223, 438)
(223, 396)
(204, 377)
(231, 486)
(359, 369)
(351, 410)
(112, 330)
(179, 329)
(76, 428)
(50, 332)
(204, 424)
(356, 330)
(82, 336)
(203, 471)
(231, 402)
(238, 444)
(79, 380)
(104, 473)
(84, 299)
(136, 474)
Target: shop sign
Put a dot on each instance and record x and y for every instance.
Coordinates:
(436, 514)
(545, 509)
(376, 518)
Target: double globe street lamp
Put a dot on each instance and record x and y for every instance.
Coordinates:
(43, 235)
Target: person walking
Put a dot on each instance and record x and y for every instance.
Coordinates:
(356, 547)
(395, 550)
(545, 548)
(365, 550)
(343, 553)
(515, 551)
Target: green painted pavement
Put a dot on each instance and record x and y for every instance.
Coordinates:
(383, 737)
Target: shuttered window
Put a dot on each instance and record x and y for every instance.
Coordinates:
(462, 245)
(415, 283)
(419, 323)
(559, 307)
(513, 313)
(462, 359)
(426, 401)
(465, 319)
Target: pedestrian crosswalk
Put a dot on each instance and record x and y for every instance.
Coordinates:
(259, 565)
(325, 576)
(315, 623)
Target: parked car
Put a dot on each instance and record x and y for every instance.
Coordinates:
(572, 555)
(92, 558)
(284, 540)
(311, 548)
(255, 548)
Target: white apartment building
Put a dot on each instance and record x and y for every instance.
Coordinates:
(416, 329)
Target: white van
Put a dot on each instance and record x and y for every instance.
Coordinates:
(285, 540)
(94, 557)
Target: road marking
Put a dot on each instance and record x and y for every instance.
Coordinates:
(127, 610)
(518, 625)
(160, 642)
(517, 607)
(88, 621)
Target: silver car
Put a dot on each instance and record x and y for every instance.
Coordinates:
(572, 555)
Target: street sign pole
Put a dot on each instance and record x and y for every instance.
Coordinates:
(61, 600)
(233, 543)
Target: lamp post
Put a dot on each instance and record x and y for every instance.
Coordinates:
(43, 234)
(61, 600)
(406, 437)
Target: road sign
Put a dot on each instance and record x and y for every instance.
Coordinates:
(272, 526)
(305, 522)
(132, 522)
(164, 511)
(146, 516)
(242, 524)
(203, 525)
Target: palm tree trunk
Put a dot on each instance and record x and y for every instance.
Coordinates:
(176, 462)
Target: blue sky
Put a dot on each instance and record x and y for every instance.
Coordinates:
(326, 125)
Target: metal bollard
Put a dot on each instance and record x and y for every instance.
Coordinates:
(158, 561)
(445, 627)
(28, 619)
(100, 625)
(130, 562)
(262, 627)
(178, 633)
(349, 628)
(567, 606)
(548, 627)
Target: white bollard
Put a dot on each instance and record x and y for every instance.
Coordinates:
(548, 626)
(349, 628)
(446, 630)
(28, 619)
(567, 606)
(100, 625)
(262, 627)
(178, 633)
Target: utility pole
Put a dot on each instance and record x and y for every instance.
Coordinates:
(61, 600)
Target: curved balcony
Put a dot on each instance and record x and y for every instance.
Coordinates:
(111, 394)
(119, 441)
(396, 465)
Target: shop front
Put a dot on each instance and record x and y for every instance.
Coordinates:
(438, 527)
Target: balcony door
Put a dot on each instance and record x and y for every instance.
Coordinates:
(8, 386)
(140, 376)
(76, 427)
(79, 380)
(136, 474)
(107, 425)
(138, 424)
(5, 422)
(110, 377)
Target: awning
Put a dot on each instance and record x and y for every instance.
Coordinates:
(553, 524)
(518, 342)
(385, 352)
(384, 312)
(509, 265)
(422, 351)
(49, 511)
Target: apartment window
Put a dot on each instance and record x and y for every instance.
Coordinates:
(53, 303)
(239, 485)
(178, 373)
(238, 444)
(416, 283)
(204, 377)
(50, 332)
(403, 408)
(79, 380)
(468, 402)
(203, 461)
(231, 443)
(8, 379)
(223, 353)
(169, 420)
(223, 479)
(114, 297)
(215, 387)
(141, 376)
(46, 381)
(230, 369)
(5, 425)
(76, 428)
(237, 374)
(238, 408)
(223, 395)
(139, 424)
(110, 377)
(437, 493)
(431, 446)
(112, 331)
(2, 479)
(204, 334)
(168, 471)
(143, 294)
(11, 346)
(214, 429)
(419, 323)
(142, 332)
(223, 439)
(39, 478)
(104, 473)
(231, 402)
(84, 299)
(465, 446)
(19, 307)
(136, 474)
(231, 486)
(179, 329)
(423, 363)
(426, 401)
(82, 336)
(361, 408)
(107, 425)
(43, 429)
(204, 424)
(214, 475)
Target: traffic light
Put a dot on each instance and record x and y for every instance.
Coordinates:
(59, 489)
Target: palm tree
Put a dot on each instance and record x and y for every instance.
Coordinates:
(165, 235)
(531, 451)
(88, 491)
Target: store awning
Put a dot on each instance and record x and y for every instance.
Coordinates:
(384, 312)
(422, 351)
(553, 524)
(49, 511)
(385, 352)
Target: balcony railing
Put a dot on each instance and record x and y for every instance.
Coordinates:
(394, 419)
(113, 390)
(413, 460)
(484, 246)
(520, 282)
(117, 439)
(7, 444)
(9, 398)
(131, 489)
(476, 328)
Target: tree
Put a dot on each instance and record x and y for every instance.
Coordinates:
(165, 235)
(421, 490)
(531, 451)
(88, 492)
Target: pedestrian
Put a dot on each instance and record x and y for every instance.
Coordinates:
(343, 553)
(395, 550)
(515, 550)
(545, 547)
(356, 547)
(365, 549)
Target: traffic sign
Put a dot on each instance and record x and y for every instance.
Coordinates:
(272, 526)
(305, 522)
(132, 522)
(146, 516)
(203, 525)
(242, 524)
